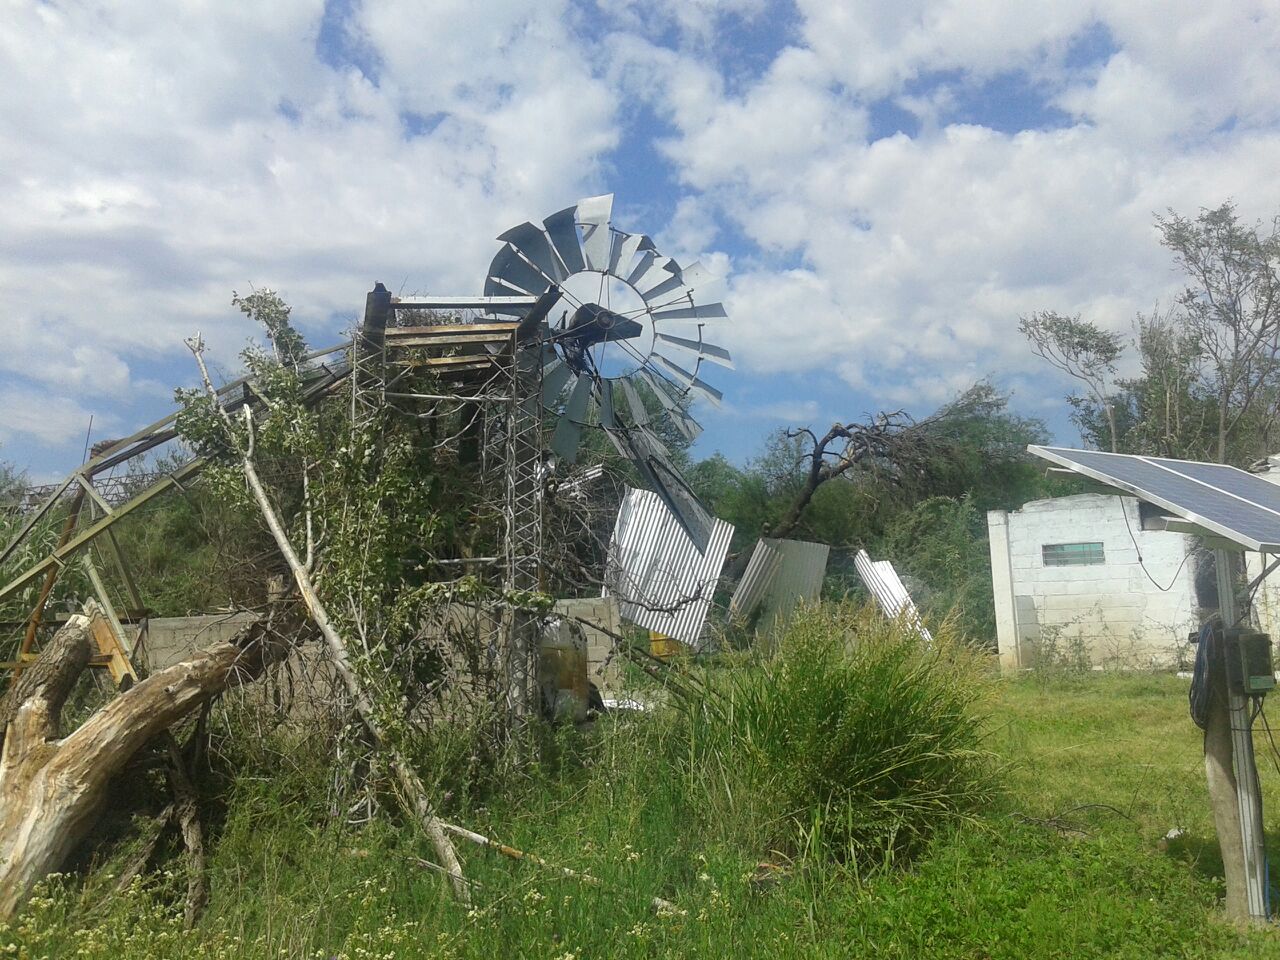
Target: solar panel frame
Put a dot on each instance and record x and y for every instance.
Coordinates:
(1166, 483)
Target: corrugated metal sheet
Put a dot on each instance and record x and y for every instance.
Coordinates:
(780, 574)
(887, 587)
(761, 569)
(661, 580)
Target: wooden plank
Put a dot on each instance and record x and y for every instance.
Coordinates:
(448, 329)
(467, 340)
(110, 653)
(450, 364)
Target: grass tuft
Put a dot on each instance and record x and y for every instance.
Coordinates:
(853, 743)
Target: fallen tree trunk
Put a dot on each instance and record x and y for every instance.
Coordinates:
(52, 790)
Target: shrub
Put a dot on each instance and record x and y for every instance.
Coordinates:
(853, 743)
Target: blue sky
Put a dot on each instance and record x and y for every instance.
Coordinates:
(884, 187)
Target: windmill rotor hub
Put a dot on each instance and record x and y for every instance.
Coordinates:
(592, 324)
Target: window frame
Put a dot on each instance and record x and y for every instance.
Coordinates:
(1084, 554)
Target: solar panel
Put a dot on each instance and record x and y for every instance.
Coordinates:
(1234, 504)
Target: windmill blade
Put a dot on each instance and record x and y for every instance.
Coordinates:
(596, 210)
(568, 432)
(534, 325)
(533, 245)
(614, 429)
(496, 288)
(625, 248)
(653, 441)
(689, 428)
(554, 376)
(684, 504)
(660, 270)
(690, 381)
(562, 229)
(604, 397)
(695, 275)
(669, 290)
(708, 311)
(639, 415)
(646, 261)
(509, 268)
(703, 349)
(619, 444)
(661, 476)
(593, 215)
(683, 284)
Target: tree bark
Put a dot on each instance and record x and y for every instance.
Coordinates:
(52, 790)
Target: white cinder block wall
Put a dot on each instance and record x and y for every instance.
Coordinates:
(1112, 607)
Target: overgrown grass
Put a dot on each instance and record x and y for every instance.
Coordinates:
(1065, 862)
(854, 743)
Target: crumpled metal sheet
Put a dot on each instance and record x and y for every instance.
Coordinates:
(659, 577)
(779, 576)
(890, 593)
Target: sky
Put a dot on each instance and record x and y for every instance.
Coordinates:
(883, 187)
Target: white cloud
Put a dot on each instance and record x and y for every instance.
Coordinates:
(152, 164)
(907, 261)
(47, 419)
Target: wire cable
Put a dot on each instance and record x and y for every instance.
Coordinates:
(1138, 551)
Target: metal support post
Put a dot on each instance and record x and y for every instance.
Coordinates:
(523, 545)
(368, 357)
(1248, 793)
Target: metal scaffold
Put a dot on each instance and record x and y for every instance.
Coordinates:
(449, 362)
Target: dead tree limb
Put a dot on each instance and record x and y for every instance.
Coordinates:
(415, 792)
(512, 853)
(52, 790)
(186, 809)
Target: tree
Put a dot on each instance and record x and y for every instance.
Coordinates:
(1232, 310)
(351, 502)
(844, 486)
(1082, 350)
(1165, 410)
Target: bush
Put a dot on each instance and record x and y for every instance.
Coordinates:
(943, 543)
(854, 743)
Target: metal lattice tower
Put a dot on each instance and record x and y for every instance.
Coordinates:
(523, 515)
(480, 370)
(369, 357)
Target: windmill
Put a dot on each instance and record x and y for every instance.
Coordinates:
(601, 330)
(615, 321)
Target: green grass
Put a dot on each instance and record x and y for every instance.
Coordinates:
(1067, 862)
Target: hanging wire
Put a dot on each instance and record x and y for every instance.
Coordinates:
(1138, 551)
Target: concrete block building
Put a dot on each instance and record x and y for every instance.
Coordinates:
(1078, 576)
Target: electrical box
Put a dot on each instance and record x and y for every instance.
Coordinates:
(1248, 655)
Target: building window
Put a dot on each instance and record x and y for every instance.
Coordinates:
(1072, 554)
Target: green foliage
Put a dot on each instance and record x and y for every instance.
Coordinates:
(985, 452)
(1080, 344)
(1083, 350)
(854, 743)
(942, 544)
(1209, 386)
(1036, 877)
(266, 307)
